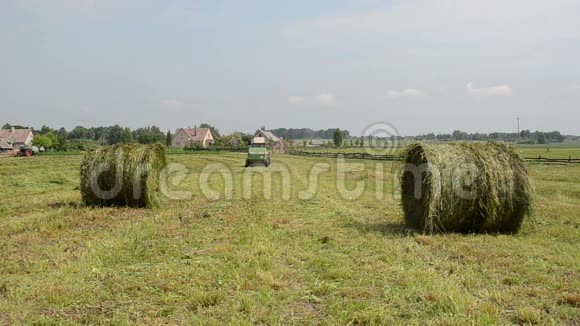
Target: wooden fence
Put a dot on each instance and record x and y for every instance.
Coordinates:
(541, 159)
(387, 157)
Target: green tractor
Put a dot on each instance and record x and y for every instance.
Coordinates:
(28, 150)
(258, 152)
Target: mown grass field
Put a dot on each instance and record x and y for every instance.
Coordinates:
(324, 260)
(546, 151)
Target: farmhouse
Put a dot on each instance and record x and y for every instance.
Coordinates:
(316, 143)
(276, 143)
(185, 137)
(16, 137)
(5, 146)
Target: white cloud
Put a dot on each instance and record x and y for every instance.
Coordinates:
(409, 92)
(326, 99)
(499, 90)
(296, 99)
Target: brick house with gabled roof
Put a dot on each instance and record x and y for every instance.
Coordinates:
(185, 137)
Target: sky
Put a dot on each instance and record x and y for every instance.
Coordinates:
(420, 65)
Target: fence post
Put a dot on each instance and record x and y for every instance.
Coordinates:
(570, 159)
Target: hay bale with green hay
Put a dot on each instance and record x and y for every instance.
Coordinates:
(122, 175)
(465, 187)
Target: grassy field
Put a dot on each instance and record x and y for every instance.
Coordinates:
(558, 152)
(324, 260)
(546, 151)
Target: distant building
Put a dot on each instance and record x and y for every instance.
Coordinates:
(16, 137)
(274, 141)
(316, 143)
(5, 146)
(186, 137)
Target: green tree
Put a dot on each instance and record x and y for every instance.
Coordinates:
(81, 132)
(525, 133)
(46, 130)
(53, 139)
(149, 135)
(337, 137)
(247, 139)
(115, 135)
(126, 136)
(42, 141)
(168, 139)
(62, 137)
(9, 126)
(158, 135)
(541, 138)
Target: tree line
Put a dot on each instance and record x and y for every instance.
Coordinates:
(524, 137)
(307, 133)
(81, 137)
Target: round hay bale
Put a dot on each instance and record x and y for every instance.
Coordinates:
(122, 175)
(465, 187)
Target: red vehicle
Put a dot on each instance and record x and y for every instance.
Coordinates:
(28, 151)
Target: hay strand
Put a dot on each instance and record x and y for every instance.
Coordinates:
(122, 175)
(465, 187)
